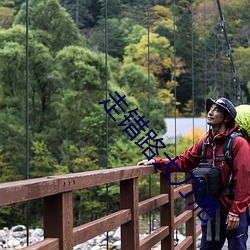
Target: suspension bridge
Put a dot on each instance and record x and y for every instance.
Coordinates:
(56, 192)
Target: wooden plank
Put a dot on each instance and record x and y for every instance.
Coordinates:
(185, 244)
(24, 190)
(152, 203)
(183, 189)
(98, 177)
(58, 219)
(129, 196)
(167, 212)
(46, 244)
(182, 218)
(154, 238)
(90, 230)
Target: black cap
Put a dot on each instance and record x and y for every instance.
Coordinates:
(223, 103)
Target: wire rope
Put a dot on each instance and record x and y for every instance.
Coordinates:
(236, 83)
(106, 83)
(27, 207)
(205, 48)
(148, 30)
(192, 73)
(215, 51)
(175, 95)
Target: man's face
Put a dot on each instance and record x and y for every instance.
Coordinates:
(215, 116)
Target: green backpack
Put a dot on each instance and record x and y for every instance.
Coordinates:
(243, 120)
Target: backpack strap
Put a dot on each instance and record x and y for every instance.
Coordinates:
(227, 148)
(203, 152)
(227, 151)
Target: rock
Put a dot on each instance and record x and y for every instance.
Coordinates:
(3, 233)
(100, 238)
(103, 243)
(117, 245)
(95, 248)
(38, 232)
(117, 235)
(111, 233)
(13, 243)
(18, 228)
(111, 239)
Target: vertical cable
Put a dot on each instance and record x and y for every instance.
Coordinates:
(106, 81)
(230, 57)
(175, 95)
(27, 207)
(205, 51)
(149, 177)
(174, 75)
(77, 13)
(215, 52)
(222, 69)
(192, 28)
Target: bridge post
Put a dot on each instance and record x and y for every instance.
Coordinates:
(167, 211)
(129, 198)
(191, 223)
(58, 219)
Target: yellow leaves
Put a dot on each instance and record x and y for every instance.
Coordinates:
(159, 53)
(161, 16)
(196, 134)
(189, 139)
(166, 96)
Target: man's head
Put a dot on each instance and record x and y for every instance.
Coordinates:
(220, 111)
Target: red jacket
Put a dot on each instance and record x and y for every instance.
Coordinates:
(241, 167)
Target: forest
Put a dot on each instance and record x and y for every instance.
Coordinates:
(165, 56)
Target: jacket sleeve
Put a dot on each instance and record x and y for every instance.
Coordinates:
(189, 160)
(241, 175)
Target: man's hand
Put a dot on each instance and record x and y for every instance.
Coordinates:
(146, 162)
(232, 222)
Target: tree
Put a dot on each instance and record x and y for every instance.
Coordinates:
(136, 82)
(84, 13)
(53, 25)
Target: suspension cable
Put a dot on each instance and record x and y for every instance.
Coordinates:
(205, 49)
(175, 95)
(148, 27)
(215, 52)
(106, 82)
(229, 53)
(27, 207)
(192, 76)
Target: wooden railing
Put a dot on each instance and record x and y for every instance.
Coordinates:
(56, 192)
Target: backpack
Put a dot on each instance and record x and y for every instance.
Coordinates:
(243, 120)
(209, 176)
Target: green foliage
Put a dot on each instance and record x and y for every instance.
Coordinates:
(53, 25)
(137, 84)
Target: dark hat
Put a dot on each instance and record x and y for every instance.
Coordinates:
(223, 103)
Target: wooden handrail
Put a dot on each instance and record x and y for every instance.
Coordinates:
(58, 209)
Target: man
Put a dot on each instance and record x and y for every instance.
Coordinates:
(221, 115)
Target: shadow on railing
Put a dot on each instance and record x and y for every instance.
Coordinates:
(56, 192)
